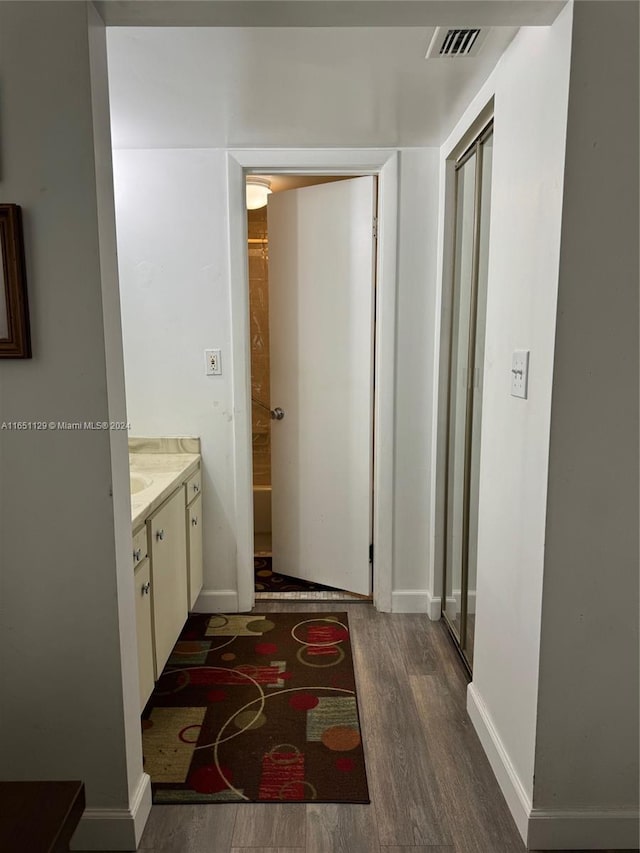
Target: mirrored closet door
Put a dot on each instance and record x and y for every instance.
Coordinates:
(469, 294)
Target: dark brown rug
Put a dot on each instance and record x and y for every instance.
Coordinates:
(269, 581)
(257, 708)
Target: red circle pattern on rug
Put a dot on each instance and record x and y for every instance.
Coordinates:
(303, 701)
(207, 780)
(217, 695)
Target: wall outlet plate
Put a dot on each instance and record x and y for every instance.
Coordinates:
(520, 373)
(212, 365)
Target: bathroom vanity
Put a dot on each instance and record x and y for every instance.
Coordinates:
(166, 500)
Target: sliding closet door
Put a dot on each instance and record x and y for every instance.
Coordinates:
(469, 295)
(486, 151)
(458, 382)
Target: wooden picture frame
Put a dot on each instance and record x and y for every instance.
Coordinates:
(15, 341)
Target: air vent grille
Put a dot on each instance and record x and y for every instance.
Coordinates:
(455, 42)
(459, 42)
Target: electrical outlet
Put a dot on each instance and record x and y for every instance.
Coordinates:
(520, 373)
(212, 363)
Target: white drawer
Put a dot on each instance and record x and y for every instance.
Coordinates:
(140, 550)
(193, 486)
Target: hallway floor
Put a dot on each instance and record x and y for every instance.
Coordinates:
(431, 787)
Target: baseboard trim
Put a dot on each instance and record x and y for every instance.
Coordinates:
(141, 807)
(550, 829)
(615, 829)
(217, 601)
(510, 784)
(115, 829)
(416, 601)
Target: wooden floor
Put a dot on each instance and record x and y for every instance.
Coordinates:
(431, 787)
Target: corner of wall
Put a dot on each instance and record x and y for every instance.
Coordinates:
(416, 601)
(549, 829)
(217, 601)
(115, 829)
(587, 741)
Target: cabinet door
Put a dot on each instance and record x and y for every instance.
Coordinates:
(167, 536)
(143, 629)
(194, 528)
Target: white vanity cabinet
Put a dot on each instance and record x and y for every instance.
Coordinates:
(166, 501)
(167, 541)
(193, 497)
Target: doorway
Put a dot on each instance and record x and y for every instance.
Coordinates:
(464, 404)
(384, 164)
(311, 270)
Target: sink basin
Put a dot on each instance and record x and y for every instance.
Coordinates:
(139, 483)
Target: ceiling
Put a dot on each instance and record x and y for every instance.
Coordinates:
(327, 13)
(218, 87)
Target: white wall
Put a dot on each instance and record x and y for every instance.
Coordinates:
(68, 703)
(588, 724)
(554, 696)
(530, 86)
(173, 259)
(415, 326)
(526, 205)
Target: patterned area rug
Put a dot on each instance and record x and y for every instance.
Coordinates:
(269, 581)
(257, 708)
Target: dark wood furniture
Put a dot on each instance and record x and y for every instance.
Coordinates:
(39, 817)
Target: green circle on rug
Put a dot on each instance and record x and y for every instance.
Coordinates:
(249, 720)
(260, 626)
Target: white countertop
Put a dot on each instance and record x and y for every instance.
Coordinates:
(166, 471)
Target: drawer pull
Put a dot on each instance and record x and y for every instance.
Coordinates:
(160, 535)
(146, 587)
(137, 554)
(196, 487)
(194, 521)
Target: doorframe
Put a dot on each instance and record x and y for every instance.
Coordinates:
(383, 163)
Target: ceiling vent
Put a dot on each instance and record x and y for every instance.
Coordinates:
(451, 42)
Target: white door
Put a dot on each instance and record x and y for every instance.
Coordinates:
(321, 316)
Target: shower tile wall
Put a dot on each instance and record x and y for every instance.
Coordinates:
(259, 326)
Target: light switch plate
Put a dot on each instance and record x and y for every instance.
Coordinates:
(520, 373)
(212, 365)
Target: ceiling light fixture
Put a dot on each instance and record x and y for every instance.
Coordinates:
(257, 191)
